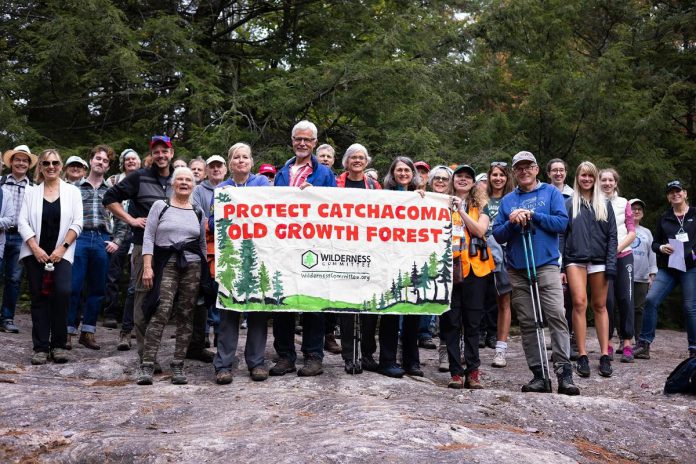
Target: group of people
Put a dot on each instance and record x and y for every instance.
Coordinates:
(73, 229)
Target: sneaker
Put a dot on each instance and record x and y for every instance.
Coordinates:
(392, 370)
(627, 355)
(353, 368)
(605, 369)
(88, 341)
(223, 377)
(59, 355)
(282, 366)
(39, 358)
(499, 359)
(443, 358)
(203, 355)
(258, 373)
(147, 369)
(124, 342)
(110, 323)
(566, 386)
(330, 344)
(583, 366)
(8, 326)
(472, 380)
(414, 370)
(368, 363)
(491, 341)
(312, 366)
(427, 343)
(642, 350)
(456, 382)
(178, 376)
(610, 352)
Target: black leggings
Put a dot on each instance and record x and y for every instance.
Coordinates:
(620, 293)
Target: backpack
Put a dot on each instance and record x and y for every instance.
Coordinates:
(683, 378)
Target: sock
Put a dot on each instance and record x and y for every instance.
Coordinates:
(500, 346)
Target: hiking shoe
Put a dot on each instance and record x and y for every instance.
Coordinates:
(443, 358)
(427, 343)
(258, 373)
(203, 355)
(88, 341)
(353, 368)
(472, 380)
(642, 350)
(223, 377)
(124, 342)
(178, 376)
(456, 382)
(110, 323)
(499, 359)
(414, 370)
(39, 358)
(566, 386)
(491, 341)
(8, 326)
(610, 352)
(627, 355)
(583, 366)
(537, 384)
(605, 369)
(282, 366)
(147, 369)
(330, 344)
(368, 363)
(312, 366)
(59, 355)
(392, 370)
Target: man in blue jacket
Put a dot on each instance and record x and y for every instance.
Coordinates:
(303, 170)
(541, 206)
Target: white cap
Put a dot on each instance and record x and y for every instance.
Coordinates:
(215, 158)
(523, 156)
(76, 159)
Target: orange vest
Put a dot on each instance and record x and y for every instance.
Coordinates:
(462, 263)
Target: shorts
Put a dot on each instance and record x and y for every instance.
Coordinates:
(590, 267)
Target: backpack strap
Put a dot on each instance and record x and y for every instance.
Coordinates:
(167, 204)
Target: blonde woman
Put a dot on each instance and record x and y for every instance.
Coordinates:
(589, 256)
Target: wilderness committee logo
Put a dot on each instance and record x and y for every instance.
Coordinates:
(310, 259)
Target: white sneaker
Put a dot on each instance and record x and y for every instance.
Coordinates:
(499, 359)
(444, 360)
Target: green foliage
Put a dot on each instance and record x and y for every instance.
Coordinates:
(264, 282)
(277, 287)
(248, 280)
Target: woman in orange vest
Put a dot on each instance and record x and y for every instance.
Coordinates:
(472, 269)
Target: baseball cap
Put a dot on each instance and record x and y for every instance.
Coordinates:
(482, 176)
(465, 167)
(76, 159)
(267, 169)
(160, 139)
(523, 156)
(633, 201)
(421, 164)
(674, 185)
(215, 158)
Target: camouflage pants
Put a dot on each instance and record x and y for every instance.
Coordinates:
(186, 282)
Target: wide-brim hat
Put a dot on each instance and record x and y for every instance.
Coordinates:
(23, 149)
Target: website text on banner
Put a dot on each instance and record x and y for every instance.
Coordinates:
(334, 250)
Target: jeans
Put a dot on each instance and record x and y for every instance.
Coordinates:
(312, 335)
(228, 337)
(91, 263)
(424, 324)
(665, 281)
(13, 275)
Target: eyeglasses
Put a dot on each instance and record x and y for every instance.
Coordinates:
(557, 170)
(521, 169)
(50, 163)
(303, 139)
(440, 179)
(502, 164)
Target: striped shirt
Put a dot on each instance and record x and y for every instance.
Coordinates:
(15, 189)
(94, 215)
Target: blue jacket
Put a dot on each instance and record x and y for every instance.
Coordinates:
(550, 219)
(320, 177)
(254, 180)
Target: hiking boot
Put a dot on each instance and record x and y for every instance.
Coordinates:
(88, 341)
(124, 342)
(627, 355)
(258, 373)
(69, 341)
(203, 355)
(8, 326)
(39, 358)
(443, 358)
(610, 352)
(330, 344)
(499, 359)
(414, 370)
(605, 369)
(368, 363)
(59, 355)
(583, 366)
(223, 377)
(491, 341)
(392, 370)
(147, 369)
(537, 384)
(178, 376)
(565, 382)
(312, 366)
(642, 350)
(472, 380)
(353, 368)
(427, 343)
(456, 382)
(110, 323)
(282, 367)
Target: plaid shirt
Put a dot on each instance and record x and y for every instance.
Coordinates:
(94, 215)
(15, 188)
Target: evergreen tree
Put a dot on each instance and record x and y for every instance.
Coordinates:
(424, 279)
(228, 263)
(415, 282)
(264, 282)
(248, 281)
(405, 284)
(382, 303)
(277, 287)
(432, 272)
(445, 274)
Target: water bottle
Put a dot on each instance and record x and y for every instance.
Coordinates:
(47, 281)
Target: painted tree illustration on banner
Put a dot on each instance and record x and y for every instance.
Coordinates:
(228, 261)
(415, 282)
(277, 287)
(395, 291)
(424, 279)
(432, 272)
(382, 303)
(405, 284)
(264, 282)
(399, 286)
(445, 274)
(248, 282)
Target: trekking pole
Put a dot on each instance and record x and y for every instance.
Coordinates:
(356, 342)
(536, 304)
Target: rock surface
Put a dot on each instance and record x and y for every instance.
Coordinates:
(90, 410)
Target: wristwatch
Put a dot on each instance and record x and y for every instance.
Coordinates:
(66, 245)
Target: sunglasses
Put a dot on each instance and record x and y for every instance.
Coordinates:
(502, 164)
(161, 138)
(50, 163)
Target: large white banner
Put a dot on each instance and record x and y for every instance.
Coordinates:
(332, 249)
